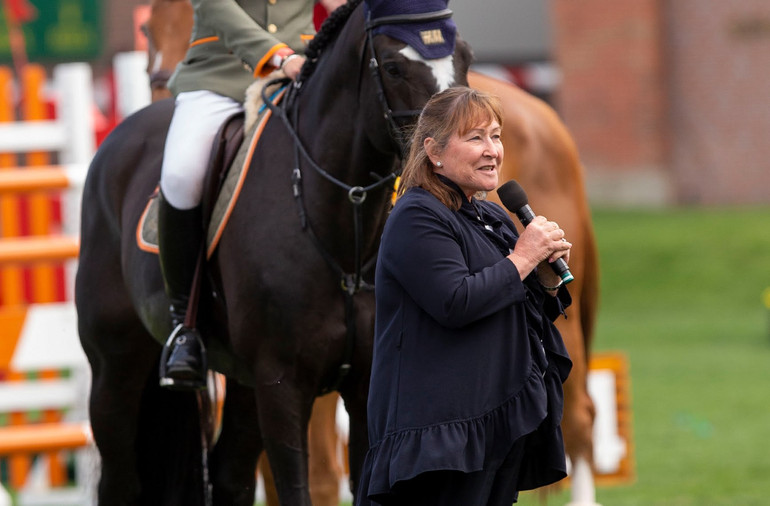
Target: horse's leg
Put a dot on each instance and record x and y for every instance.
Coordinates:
(355, 391)
(578, 417)
(324, 465)
(580, 441)
(324, 469)
(271, 494)
(576, 329)
(358, 436)
(234, 457)
(122, 356)
(139, 430)
(284, 411)
(114, 410)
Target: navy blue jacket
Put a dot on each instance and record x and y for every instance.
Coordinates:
(466, 357)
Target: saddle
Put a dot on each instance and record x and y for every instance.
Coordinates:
(226, 145)
(228, 165)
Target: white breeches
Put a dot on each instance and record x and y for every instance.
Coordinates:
(198, 115)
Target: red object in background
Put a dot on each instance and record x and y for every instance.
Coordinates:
(106, 120)
(20, 11)
(319, 15)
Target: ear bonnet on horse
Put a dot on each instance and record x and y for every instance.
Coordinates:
(432, 38)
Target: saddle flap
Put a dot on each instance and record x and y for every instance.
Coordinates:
(224, 150)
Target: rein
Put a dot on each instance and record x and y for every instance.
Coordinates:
(350, 283)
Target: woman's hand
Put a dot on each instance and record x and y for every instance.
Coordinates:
(541, 242)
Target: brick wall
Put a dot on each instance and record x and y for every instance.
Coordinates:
(612, 95)
(720, 100)
(667, 99)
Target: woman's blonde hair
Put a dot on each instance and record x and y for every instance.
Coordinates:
(453, 111)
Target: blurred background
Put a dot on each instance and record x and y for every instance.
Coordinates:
(668, 102)
(661, 96)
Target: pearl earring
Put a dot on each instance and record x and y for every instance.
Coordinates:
(439, 164)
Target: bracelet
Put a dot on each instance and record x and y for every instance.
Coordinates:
(286, 59)
(551, 288)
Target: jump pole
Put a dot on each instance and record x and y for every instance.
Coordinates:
(44, 438)
(71, 135)
(44, 178)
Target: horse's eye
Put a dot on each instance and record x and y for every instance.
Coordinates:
(392, 69)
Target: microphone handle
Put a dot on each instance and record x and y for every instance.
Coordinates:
(560, 267)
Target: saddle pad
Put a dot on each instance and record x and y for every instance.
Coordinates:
(147, 228)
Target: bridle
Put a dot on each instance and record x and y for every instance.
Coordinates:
(395, 130)
(351, 283)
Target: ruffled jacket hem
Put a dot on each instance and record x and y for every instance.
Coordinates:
(466, 445)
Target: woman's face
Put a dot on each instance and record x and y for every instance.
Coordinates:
(471, 160)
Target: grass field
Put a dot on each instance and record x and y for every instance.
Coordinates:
(681, 295)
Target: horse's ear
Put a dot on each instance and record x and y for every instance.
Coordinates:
(463, 57)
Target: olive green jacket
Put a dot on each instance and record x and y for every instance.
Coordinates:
(233, 41)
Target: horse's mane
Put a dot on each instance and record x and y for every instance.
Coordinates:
(326, 34)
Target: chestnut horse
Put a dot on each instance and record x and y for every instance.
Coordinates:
(284, 299)
(542, 156)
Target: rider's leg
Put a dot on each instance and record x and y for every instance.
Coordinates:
(179, 245)
(197, 118)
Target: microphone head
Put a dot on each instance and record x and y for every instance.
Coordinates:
(512, 195)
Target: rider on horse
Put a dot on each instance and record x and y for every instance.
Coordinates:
(232, 43)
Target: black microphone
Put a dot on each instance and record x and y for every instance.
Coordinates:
(514, 198)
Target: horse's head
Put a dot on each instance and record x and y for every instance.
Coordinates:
(168, 35)
(370, 70)
(413, 53)
(382, 60)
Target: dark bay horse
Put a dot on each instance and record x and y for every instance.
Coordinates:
(279, 298)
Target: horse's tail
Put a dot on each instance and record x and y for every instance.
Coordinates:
(170, 449)
(589, 295)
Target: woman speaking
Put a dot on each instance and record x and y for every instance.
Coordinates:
(465, 398)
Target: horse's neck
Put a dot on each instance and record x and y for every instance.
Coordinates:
(332, 123)
(337, 140)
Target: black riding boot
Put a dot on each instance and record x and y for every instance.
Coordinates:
(180, 233)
